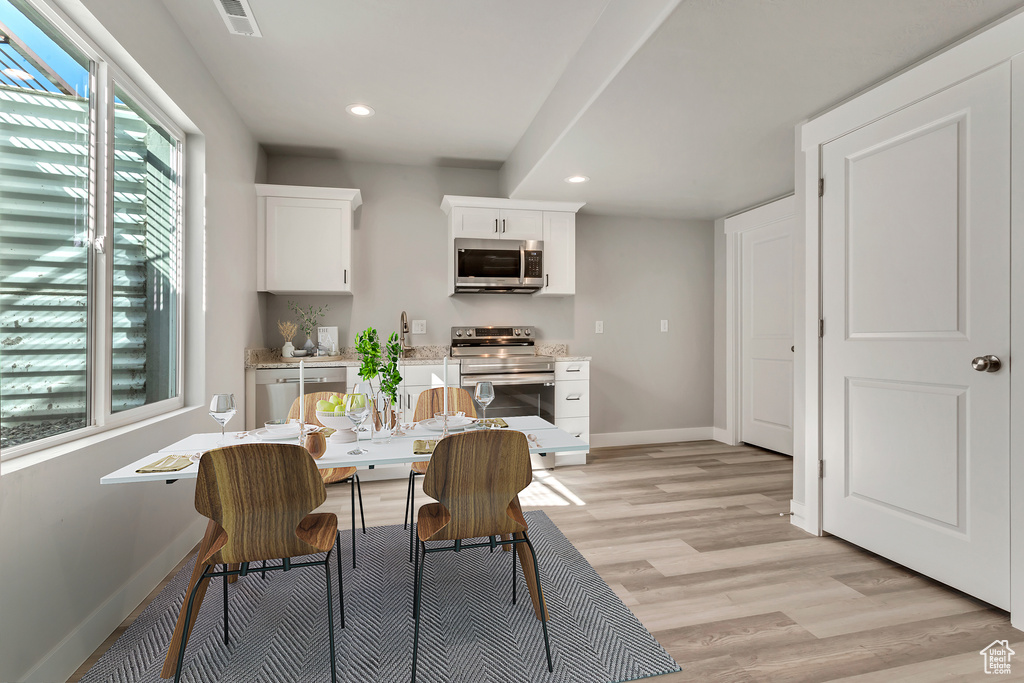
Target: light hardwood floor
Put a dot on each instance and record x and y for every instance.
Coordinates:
(689, 536)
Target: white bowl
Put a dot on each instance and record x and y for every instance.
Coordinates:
(341, 425)
(282, 426)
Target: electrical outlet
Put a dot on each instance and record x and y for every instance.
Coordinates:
(419, 326)
(599, 327)
(664, 326)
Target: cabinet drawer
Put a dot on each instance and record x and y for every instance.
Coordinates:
(572, 399)
(430, 375)
(577, 426)
(572, 370)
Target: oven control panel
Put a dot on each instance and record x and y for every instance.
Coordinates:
(494, 334)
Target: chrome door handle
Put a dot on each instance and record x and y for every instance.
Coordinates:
(987, 364)
(495, 225)
(295, 380)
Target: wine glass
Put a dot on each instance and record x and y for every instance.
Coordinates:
(222, 409)
(357, 409)
(484, 394)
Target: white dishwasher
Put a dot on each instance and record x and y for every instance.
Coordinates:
(277, 389)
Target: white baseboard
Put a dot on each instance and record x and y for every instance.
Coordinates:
(62, 661)
(722, 436)
(651, 436)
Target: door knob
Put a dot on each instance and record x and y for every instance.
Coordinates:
(986, 364)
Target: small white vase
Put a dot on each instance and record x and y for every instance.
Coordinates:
(287, 350)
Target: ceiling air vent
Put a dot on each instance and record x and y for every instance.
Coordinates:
(237, 14)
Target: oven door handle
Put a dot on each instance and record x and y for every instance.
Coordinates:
(547, 379)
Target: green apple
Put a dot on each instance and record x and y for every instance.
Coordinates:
(324, 406)
(339, 410)
(335, 399)
(355, 401)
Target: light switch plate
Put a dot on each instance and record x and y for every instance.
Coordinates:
(327, 336)
(419, 326)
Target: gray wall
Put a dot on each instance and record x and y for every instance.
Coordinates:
(631, 273)
(77, 556)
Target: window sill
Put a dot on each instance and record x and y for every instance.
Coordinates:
(94, 437)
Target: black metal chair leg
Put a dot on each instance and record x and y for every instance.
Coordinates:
(341, 582)
(408, 494)
(188, 618)
(264, 570)
(352, 491)
(540, 596)
(330, 614)
(416, 610)
(415, 587)
(225, 606)
(515, 559)
(362, 513)
(412, 518)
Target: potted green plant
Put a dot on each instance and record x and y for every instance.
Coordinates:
(309, 318)
(379, 363)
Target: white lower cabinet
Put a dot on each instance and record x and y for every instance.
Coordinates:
(572, 405)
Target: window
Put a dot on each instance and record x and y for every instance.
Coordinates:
(90, 240)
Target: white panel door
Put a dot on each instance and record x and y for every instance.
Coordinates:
(915, 284)
(522, 224)
(476, 222)
(293, 224)
(766, 345)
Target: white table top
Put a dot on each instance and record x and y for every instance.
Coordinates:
(547, 439)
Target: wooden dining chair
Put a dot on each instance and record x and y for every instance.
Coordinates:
(429, 402)
(476, 478)
(258, 498)
(335, 474)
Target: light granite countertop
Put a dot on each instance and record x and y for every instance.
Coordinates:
(270, 359)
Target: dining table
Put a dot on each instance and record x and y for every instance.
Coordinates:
(544, 439)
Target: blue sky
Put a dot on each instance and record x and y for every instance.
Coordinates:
(52, 54)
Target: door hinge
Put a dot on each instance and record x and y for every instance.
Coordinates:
(821, 187)
(821, 469)
(821, 328)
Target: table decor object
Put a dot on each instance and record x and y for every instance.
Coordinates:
(357, 409)
(484, 394)
(339, 424)
(316, 444)
(423, 446)
(222, 409)
(170, 463)
(379, 363)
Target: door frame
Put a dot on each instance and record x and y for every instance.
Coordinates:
(1000, 42)
(762, 216)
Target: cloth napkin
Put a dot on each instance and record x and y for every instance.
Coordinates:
(493, 422)
(423, 446)
(168, 463)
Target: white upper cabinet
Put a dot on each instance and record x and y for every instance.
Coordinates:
(554, 223)
(304, 239)
(559, 254)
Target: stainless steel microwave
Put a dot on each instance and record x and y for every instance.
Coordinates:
(499, 266)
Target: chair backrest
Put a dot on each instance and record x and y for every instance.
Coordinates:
(310, 400)
(475, 476)
(258, 493)
(432, 401)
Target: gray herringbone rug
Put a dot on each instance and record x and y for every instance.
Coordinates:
(469, 632)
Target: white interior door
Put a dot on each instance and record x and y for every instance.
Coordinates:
(766, 335)
(915, 284)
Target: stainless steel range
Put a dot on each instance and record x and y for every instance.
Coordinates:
(524, 383)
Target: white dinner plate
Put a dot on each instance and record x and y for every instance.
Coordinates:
(454, 423)
(276, 434)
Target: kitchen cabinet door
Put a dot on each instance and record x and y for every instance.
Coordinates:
(479, 223)
(521, 224)
(559, 254)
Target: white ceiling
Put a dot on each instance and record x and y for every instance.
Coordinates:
(673, 108)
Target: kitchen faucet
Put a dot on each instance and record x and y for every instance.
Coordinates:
(403, 328)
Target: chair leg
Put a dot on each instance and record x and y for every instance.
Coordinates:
(352, 491)
(543, 608)
(408, 495)
(188, 618)
(330, 614)
(362, 513)
(515, 560)
(341, 581)
(412, 517)
(416, 610)
(225, 607)
(415, 586)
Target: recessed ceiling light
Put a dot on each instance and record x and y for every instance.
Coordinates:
(18, 74)
(577, 179)
(359, 110)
